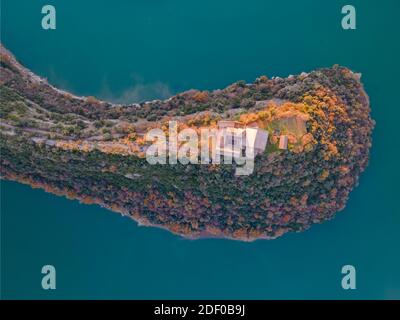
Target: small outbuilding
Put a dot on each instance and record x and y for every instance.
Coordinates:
(283, 142)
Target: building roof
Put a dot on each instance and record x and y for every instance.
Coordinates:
(283, 142)
(256, 138)
(229, 124)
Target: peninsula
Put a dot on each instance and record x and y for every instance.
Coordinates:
(317, 124)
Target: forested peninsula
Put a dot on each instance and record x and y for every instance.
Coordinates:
(94, 151)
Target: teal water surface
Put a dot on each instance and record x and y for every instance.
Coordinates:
(136, 50)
